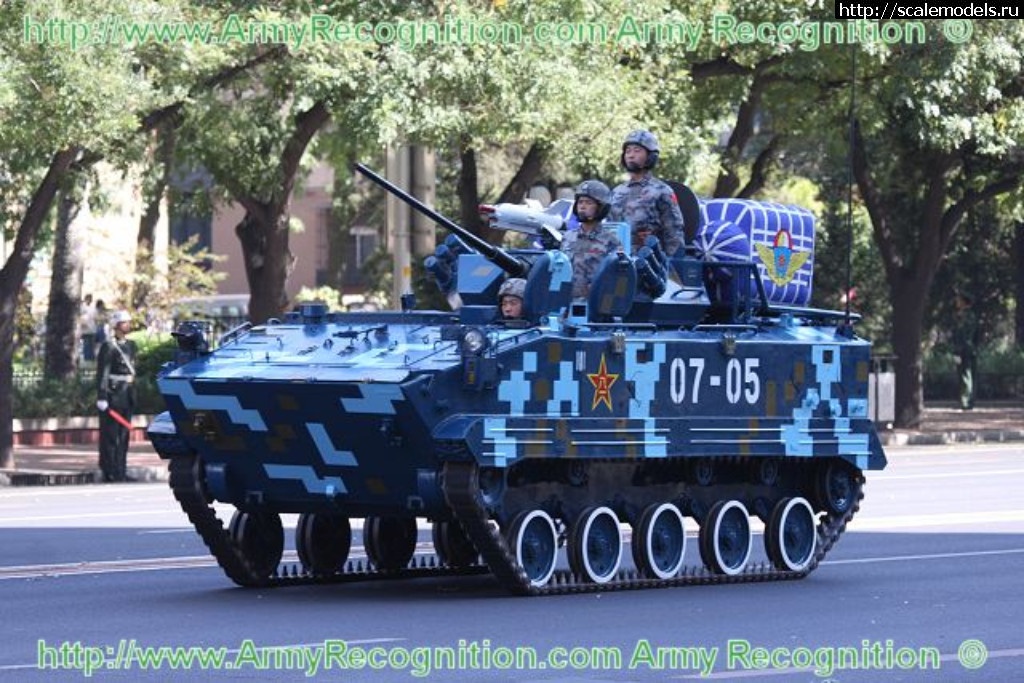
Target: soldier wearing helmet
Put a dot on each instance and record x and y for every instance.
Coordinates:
(587, 247)
(115, 396)
(510, 298)
(644, 200)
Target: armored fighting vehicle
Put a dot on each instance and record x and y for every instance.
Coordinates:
(578, 448)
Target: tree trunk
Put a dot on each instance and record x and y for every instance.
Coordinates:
(743, 131)
(12, 278)
(908, 322)
(65, 304)
(340, 224)
(153, 196)
(263, 231)
(469, 195)
(1019, 323)
(424, 187)
(526, 176)
(759, 171)
(268, 263)
(8, 304)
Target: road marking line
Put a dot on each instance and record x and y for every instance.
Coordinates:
(36, 571)
(975, 449)
(930, 556)
(939, 519)
(205, 561)
(84, 490)
(84, 515)
(883, 476)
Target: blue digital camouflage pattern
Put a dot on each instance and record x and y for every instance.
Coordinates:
(358, 413)
(649, 204)
(646, 401)
(313, 415)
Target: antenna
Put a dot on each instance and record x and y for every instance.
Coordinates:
(852, 122)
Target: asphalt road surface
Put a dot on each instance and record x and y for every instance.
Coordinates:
(926, 585)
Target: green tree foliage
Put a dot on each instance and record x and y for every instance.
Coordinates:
(940, 134)
(326, 295)
(977, 272)
(67, 103)
(842, 248)
(189, 273)
(558, 100)
(253, 137)
(58, 106)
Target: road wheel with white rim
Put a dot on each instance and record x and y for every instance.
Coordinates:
(659, 541)
(725, 538)
(534, 542)
(595, 545)
(791, 535)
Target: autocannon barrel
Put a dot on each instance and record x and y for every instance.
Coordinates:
(510, 264)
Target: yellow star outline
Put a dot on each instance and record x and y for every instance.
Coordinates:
(602, 382)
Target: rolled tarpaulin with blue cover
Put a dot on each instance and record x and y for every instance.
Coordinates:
(779, 238)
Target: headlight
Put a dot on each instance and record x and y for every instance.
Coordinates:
(474, 341)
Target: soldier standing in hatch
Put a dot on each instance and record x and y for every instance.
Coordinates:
(644, 201)
(510, 298)
(115, 391)
(588, 246)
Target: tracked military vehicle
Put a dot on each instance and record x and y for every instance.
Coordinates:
(579, 448)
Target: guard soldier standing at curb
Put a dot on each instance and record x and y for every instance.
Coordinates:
(965, 335)
(588, 246)
(115, 396)
(644, 201)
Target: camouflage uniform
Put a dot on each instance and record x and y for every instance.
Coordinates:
(587, 250)
(649, 202)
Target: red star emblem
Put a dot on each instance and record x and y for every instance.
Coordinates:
(602, 382)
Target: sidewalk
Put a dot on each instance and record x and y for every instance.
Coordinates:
(78, 463)
(944, 423)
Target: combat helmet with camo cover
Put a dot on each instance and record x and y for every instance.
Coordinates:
(648, 141)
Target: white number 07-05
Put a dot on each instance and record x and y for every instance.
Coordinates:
(741, 380)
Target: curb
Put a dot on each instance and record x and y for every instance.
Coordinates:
(45, 478)
(945, 438)
(135, 475)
